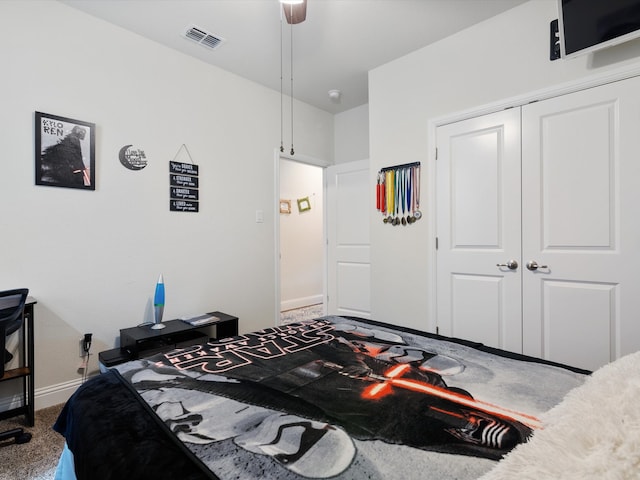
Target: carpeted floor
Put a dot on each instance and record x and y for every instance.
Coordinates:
(37, 459)
(299, 314)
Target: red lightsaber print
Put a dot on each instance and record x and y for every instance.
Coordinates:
(393, 378)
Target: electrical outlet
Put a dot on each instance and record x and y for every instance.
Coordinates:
(86, 342)
(85, 345)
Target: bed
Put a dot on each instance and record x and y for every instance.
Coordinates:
(335, 397)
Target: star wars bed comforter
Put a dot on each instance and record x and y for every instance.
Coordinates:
(336, 397)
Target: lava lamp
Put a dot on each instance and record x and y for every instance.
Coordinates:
(158, 304)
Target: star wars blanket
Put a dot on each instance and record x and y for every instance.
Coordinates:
(348, 399)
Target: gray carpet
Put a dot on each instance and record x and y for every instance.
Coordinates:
(37, 459)
(300, 314)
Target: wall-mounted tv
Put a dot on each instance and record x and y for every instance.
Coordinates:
(589, 25)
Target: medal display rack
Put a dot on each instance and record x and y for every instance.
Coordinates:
(398, 194)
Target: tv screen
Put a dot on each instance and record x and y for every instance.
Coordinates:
(589, 25)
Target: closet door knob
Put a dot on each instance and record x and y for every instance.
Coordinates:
(511, 264)
(533, 265)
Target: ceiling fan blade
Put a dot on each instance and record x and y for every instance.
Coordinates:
(296, 13)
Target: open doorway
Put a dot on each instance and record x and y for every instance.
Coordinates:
(302, 240)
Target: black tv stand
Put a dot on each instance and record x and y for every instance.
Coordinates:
(143, 341)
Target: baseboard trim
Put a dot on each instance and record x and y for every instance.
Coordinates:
(300, 302)
(44, 397)
(55, 394)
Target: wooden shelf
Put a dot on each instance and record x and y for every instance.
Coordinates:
(25, 371)
(15, 373)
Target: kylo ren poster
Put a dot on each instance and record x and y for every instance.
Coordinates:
(65, 152)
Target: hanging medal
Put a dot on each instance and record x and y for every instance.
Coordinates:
(403, 220)
(382, 197)
(385, 198)
(396, 219)
(378, 205)
(412, 201)
(416, 171)
(390, 190)
(409, 199)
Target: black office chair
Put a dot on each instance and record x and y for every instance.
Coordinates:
(11, 315)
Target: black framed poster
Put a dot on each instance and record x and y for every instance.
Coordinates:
(65, 152)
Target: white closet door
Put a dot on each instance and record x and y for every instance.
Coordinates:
(581, 191)
(478, 227)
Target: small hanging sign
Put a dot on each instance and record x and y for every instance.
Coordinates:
(183, 206)
(184, 168)
(183, 193)
(183, 190)
(183, 184)
(183, 181)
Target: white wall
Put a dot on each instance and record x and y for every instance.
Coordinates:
(352, 135)
(503, 57)
(91, 258)
(301, 236)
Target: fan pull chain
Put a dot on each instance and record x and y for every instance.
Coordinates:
(291, 26)
(281, 101)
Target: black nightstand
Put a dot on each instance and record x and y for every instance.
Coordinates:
(143, 341)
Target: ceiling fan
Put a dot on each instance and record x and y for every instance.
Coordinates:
(294, 10)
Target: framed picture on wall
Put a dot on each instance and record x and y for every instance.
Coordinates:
(304, 204)
(65, 152)
(285, 206)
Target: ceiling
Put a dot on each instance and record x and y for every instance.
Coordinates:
(334, 48)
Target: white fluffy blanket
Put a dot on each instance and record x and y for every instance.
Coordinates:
(594, 433)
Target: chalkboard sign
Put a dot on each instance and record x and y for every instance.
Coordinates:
(183, 168)
(183, 181)
(183, 206)
(183, 191)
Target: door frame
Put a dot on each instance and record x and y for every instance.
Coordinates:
(307, 160)
(576, 85)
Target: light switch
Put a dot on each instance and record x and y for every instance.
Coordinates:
(259, 216)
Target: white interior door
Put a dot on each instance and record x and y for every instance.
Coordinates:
(348, 260)
(478, 228)
(581, 173)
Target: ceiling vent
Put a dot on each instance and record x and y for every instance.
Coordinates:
(202, 37)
